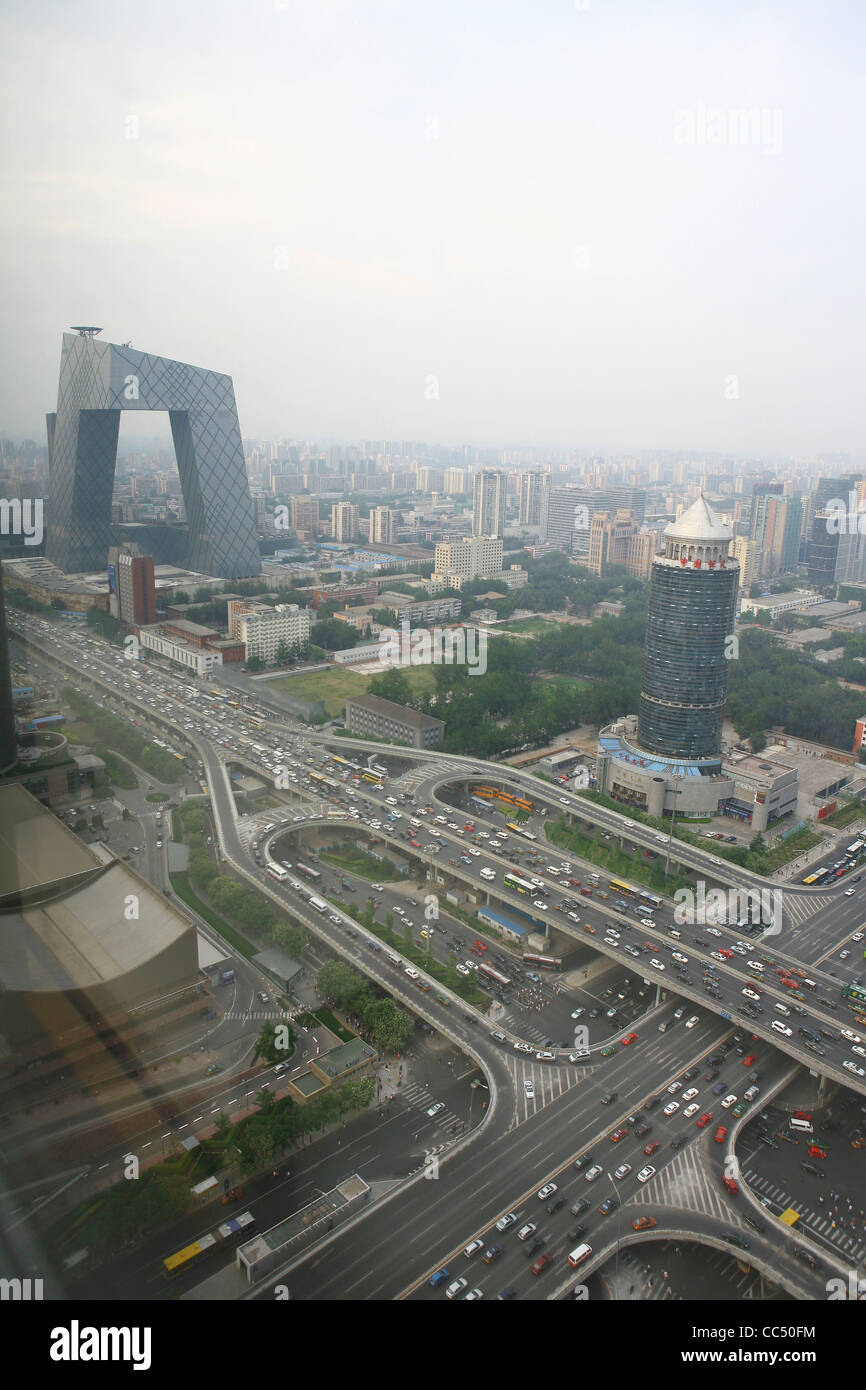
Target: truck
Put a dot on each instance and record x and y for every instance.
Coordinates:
(227, 977)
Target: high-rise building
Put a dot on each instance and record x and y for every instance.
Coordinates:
(617, 540)
(344, 521)
(470, 557)
(456, 481)
(558, 516)
(430, 479)
(383, 526)
(693, 594)
(98, 381)
(304, 513)
(8, 737)
(132, 590)
(533, 485)
(488, 503)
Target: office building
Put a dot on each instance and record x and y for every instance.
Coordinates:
(488, 503)
(384, 719)
(264, 630)
(304, 513)
(98, 381)
(470, 557)
(456, 481)
(132, 590)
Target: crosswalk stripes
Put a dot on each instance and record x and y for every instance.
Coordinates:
(799, 909)
(419, 1097)
(684, 1183)
(816, 1222)
(548, 1083)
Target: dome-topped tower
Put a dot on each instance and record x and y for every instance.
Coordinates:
(693, 595)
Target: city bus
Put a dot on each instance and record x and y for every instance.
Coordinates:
(520, 885)
(495, 975)
(368, 777)
(479, 803)
(190, 1255)
(818, 877)
(277, 872)
(651, 900)
(854, 996)
(312, 874)
(543, 962)
(856, 847)
(617, 886)
(516, 830)
(522, 803)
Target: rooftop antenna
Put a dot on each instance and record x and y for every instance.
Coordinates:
(85, 332)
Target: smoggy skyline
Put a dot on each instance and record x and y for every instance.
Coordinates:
(612, 227)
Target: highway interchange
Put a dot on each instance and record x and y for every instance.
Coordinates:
(514, 1140)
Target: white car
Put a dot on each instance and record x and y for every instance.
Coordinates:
(526, 1231)
(693, 1021)
(712, 931)
(858, 936)
(656, 964)
(434, 1109)
(473, 1296)
(843, 955)
(529, 1090)
(456, 1287)
(594, 1172)
(853, 1067)
(581, 1052)
(630, 824)
(779, 1027)
(849, 1036)
(646, 1173)
(678, 955)
(545, 1056)
(564, 801)
(546, 1191)
(690, 1093)
(522, 1047)
(861, 1051)
(474, 852)
(671, 1108)
(728, 1101)
(674, 1087)
(506, 1221)
(578, 1013)
(661, 839)
(622, 1171)
(542, 907)
(755, 965)
(750, 994)
(472, 1248)
(717, 955)
(691, 1110)
(849, 892)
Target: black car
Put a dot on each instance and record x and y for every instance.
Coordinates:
(734, 1239)
(642, 1129)
(577, 1232)
(609, 1098)
(534, 1246)
(556, 1205)
(594, 1013)
(812, 1170)
(711, 1076)
(580, 1207)
(579, 1164)
(700, 941)
(507, 1294)
(684, 979)
(678, 1143)
(651, 1103)
(688, 1075)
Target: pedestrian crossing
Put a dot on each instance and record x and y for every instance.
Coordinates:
(684, 1183)
(548, 1084)
(836, 1233)
(419, 1097)
(797, 908)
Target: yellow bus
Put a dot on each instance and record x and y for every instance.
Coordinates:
(184, 1259)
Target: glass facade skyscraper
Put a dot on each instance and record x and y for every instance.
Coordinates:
(693, 596)
(97, 381)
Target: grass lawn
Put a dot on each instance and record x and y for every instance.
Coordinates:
(334, 685)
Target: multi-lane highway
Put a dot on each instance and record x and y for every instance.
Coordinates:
(711, 966)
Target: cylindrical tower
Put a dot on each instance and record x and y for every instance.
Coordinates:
(693, 597)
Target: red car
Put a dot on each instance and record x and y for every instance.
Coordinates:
(723, 951)
(541, 1264)
(650, 1149)
(704, 1120)
(790, 984)
(618, 1134)
(416, 844)
(802, 1115)
(721, 1134)
(629, 1039)
(814, 1151)
(749, 1061)
(731, 1185)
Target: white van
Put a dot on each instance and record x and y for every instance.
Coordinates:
(578, 1256)
(782, 1009)
(487, 873)
(750, 1093)
(801, 1126)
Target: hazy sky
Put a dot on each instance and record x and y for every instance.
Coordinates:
(338, 203)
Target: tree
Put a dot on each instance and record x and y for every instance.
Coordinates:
(283, 653)
(223, 1124)
(254, 663)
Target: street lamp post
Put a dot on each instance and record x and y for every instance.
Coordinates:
(676, 792)
(616, 1190)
